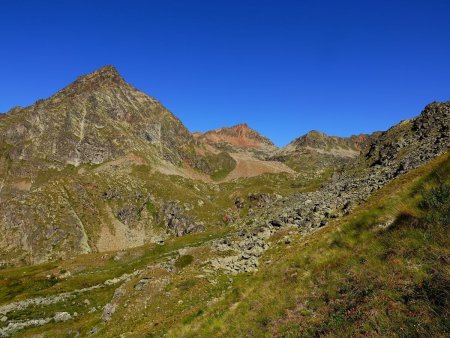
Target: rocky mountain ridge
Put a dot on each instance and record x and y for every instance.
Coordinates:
(326, 143)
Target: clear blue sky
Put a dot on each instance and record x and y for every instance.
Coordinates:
(284, 67)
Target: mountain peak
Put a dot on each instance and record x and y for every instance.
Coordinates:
(239, 126)
(107, 70)
(314, 133)
(240, 135)
(105, 73)
(319, 140)
(104, 77)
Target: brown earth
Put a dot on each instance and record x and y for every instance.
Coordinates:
(249, 166)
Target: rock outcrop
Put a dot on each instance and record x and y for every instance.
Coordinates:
(179, 223)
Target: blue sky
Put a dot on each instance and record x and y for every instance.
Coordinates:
(284, 67)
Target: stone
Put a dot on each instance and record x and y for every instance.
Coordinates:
(108, 311)
(239, 203)
(178, 222)
(141, 284)
(62, 317)
(188, 206)
(277, 223)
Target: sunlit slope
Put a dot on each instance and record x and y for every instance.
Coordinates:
(383, 271)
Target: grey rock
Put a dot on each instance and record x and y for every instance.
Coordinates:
(277, 223)
(62, 317)
(108, 311)
(141, 284)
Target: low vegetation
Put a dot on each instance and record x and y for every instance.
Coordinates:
(222, 164)
(382, 271)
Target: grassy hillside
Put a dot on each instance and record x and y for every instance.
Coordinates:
(94, 196)
(383, 271)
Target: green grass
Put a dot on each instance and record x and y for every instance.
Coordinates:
(222, 164)
(183, 261)
(353, 278)
(32, 281)
(92, 269)
(80, 193)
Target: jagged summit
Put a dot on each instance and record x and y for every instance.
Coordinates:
(105, 73)
(316, 150)
(104, 77)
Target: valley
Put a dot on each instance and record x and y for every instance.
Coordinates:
(116, 220)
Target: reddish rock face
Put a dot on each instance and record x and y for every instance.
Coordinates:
(241, 136)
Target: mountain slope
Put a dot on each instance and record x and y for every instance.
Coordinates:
(378, 271)
(79, 171)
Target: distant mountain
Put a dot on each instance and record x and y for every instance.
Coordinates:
(339, 146)
(237, 138)
(99, 118)
(319, 151)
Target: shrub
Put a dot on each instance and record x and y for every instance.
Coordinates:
(436, 204)
(183, 261)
